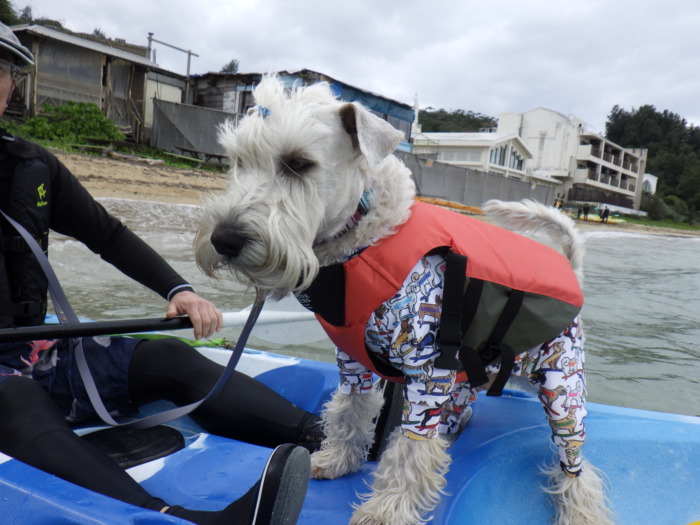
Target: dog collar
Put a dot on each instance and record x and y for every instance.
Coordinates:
(363, 208)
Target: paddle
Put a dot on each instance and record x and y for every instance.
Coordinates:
(283, 322)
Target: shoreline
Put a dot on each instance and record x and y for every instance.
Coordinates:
(106, 177)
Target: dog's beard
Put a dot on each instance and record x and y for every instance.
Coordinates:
(278, 255)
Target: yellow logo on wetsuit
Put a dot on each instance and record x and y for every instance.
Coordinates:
(42, 194)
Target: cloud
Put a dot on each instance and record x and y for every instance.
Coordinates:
(490, 57)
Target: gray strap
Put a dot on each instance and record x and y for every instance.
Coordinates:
(66, 315)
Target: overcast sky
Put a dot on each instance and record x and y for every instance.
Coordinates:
(577, 57)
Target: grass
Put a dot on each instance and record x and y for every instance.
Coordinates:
(631, 219)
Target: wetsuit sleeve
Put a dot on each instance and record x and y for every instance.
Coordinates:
(76, 213)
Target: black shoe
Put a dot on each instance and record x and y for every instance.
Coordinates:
(310, 434)
(282, 487)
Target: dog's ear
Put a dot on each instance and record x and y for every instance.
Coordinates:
(375, 138)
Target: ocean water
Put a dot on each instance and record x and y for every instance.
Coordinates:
(641, 317)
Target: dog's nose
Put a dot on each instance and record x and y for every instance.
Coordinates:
(227, 241)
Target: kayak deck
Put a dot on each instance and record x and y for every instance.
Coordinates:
(650, 460)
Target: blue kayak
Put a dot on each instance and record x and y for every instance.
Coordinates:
(651, 460)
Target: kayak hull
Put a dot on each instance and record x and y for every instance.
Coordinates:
(650, 461)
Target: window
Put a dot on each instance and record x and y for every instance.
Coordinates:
(516, 161)
(498, 156)
(472, 156)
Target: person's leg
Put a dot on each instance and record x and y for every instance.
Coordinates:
(243, 409)
(39, 436)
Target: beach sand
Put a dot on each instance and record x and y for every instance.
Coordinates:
(127, 179)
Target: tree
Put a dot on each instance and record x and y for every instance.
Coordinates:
(26, 15)
(7, 13)
(453, 121)
(97, 32)
(230, 67)
(673, 155)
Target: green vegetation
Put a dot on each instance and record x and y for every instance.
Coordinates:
(10, 17)
(664, 223)
(71, 123)
(674, 157)
(231, 66)
(81, 127)
(453, 121)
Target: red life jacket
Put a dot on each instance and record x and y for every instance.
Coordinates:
(499, 261)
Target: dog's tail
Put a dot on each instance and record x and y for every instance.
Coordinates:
(530, 217)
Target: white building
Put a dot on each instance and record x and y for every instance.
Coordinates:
(504, 155)
(589, 167)
(649, 183)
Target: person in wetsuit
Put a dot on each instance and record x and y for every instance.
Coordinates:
(41, 393)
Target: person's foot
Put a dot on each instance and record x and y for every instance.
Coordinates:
(282, 487)
(276, 498)
(310, 434)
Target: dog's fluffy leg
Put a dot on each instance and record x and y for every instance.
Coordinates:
(407, 484)
(580, 500)
(349, 429)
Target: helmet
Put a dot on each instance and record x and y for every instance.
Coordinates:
(23, 57)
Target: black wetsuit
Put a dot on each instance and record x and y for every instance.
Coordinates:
(34, 429)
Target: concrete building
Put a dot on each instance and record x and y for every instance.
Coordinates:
(649, 183)
(490, 152)
(589, 167)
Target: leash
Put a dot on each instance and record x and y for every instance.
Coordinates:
(66, 315)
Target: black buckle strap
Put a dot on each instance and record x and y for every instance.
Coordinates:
(450, 336)
(13, 245)
(505, 320)
(384, 367)
(459, 309)
(23, 309)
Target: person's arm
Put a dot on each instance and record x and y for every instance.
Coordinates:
(75, 213)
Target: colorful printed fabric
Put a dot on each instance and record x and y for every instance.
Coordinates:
(403, 331)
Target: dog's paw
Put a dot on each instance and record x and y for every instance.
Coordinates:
(379, 510)
(327, 463)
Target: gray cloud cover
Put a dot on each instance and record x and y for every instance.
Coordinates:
(491, 57)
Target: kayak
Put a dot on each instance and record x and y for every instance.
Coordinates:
(650, 461)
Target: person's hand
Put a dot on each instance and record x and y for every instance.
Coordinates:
(206, 318)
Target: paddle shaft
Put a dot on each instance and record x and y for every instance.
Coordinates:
(86, 329)
(63, 331)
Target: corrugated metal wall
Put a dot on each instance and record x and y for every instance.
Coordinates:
(188, 126)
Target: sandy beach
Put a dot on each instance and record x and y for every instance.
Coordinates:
(126, 179)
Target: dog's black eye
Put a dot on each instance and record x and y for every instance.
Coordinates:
(296, 165)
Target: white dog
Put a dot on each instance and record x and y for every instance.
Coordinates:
(314, 194)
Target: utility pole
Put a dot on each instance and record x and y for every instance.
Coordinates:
(190, 54)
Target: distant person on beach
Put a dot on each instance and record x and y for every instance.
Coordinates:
(40, 390)
(586, 211)
(604, 216)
